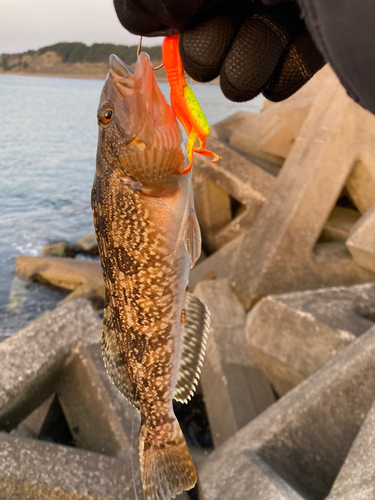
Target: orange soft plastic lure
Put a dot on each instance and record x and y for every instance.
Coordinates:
(185, 104)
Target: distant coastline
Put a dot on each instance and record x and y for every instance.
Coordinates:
(67, 75)
(75, 60)
(72, 60)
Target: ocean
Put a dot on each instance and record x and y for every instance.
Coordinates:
(47, 164)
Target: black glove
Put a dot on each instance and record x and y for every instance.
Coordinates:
(254, 47)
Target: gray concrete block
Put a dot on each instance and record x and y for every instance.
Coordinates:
(360, 185)
(35, 470)
(234, 388)
(33, 423)
(278, 254)
(361, 241)
(126, 413)
(293, 335)
(356, 480)
(219, 265)
(88, 408)
(33, 359)
(49, 357)
(268, 136)
(223, 129)
(339, 224)
(233, 176)
(296, 448)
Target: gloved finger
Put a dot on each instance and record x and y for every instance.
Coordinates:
(162, 17)
(301, 61)
(135, 18)
(257, 50)
(204, 48)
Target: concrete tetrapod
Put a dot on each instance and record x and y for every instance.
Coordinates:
(296, 448)
(279, 253)
(32, 360)
(45, 359)
(234, 388)
(218, 185)
(356, 480)
(294, 334)
(361, 241)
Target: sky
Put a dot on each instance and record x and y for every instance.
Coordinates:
(31, 24)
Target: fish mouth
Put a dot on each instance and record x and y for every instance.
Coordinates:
(119, 67)
(143, 117)
(122, 75)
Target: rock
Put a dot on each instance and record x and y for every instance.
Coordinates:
(61, 249)
(228, 195)
(234, 388)
(84, 277)
(88, 244)
(32, 360)
(356, 480)
(293, 335)
(296, 448)
(278, 254)
(361, 242)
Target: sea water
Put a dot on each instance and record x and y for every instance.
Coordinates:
(47, 164)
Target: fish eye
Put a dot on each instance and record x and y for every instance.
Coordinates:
(105, 113)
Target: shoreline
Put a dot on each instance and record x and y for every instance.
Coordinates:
(90, 77)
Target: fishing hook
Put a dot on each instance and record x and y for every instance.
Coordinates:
(139, 51)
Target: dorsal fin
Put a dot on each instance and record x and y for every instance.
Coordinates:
(193, 239)
(193, 348)
(113, 359)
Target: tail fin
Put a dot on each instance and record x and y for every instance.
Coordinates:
(167, 469)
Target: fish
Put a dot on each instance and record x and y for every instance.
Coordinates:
(154, 331)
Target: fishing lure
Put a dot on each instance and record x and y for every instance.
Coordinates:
(185, 104)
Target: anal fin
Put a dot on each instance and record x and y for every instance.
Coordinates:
(113, 359)
(193, 348)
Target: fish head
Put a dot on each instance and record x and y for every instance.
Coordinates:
(138, 131)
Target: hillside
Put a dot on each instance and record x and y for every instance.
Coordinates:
(73, 59)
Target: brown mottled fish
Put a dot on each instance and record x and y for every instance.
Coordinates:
(154, 331)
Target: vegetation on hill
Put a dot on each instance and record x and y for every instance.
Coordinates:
(68, 54)
(72, 52)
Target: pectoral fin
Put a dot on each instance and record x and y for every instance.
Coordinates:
(194, 338)
(113, 359)
(193, 240)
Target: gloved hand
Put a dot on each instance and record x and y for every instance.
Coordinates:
(253, 46)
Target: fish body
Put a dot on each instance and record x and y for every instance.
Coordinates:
(154, 332)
